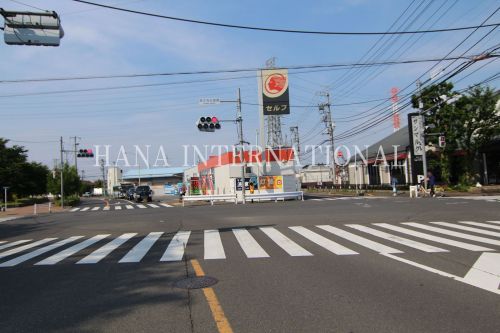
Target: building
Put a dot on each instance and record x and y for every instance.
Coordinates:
(316, 175)
(161, 180)
(114, 179)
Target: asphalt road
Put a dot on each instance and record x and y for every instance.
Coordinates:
(272, 278)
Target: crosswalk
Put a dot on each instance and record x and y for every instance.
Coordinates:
(253, 243)
(120, 207)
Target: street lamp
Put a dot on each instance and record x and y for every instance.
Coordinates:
(5, 188)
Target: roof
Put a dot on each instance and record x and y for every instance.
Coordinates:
(400, 138)
(153, 173)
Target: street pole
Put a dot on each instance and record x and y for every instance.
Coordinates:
(5, 188)
(62, 177)
(76, 152)
(422, 115)
(103, 178)
(239, 119)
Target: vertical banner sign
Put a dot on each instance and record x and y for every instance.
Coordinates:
(274, 92)
(416, 133)
(395, 107)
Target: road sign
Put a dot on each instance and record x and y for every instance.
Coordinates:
(209, 101)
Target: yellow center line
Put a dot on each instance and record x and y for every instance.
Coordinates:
(217, 312)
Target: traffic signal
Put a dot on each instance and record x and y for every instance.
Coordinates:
(208, 124)
(85, 153)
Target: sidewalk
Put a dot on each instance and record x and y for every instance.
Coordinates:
(29, 210)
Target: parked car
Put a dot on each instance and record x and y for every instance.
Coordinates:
(86, 194)
(143, 193)
(130, 193)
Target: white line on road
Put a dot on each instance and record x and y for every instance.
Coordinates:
(40, 251)
(290, 247)
(25, 247)
(103, 251)
(213, 245)
(106, 208)
(497, 222)
(380, 248)
(84, 209)
(4, 246)
(397, 239)
(166, 205)
(74, 209)
(153, 205)
(249, 245)
(141, 206)
(484, 225)
(175, 250)
(70, 251)
(485, 273)
(323, 241)
(462, 227)
(95, 208)
(467, 246)
(454, 233)
(129, 206)
(118, 207)
(140, 250)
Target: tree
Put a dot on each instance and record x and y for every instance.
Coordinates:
(468, 124)
(22, 177)
(71, 181)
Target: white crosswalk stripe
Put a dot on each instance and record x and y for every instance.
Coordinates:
(103, 251)
(96, 208)
(129, 206)
(462, 227)
(213, 245)
(454, 233)
(54, 259)
(118, 207)
(5, 246)
(249, 245)
(484, 225)
(397, 239)
(25, 247)
(38, 252)
(497, 222)
(140, 250)
(323, 241)
(166, 205)
(467, 246)
(84, 209)
(74, 209)
(141, 206)
(106, 208)
(290, 247)
(175, 250)
(153, 205)
(380, 248)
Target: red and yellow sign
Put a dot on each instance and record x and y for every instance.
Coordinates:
(271, 182)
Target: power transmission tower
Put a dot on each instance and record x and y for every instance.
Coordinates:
(274, 134)
(326, 117)
(294, 134)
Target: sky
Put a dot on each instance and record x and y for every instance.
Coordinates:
(100, 41)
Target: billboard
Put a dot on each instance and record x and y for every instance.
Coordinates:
(271, 182)
(417, 144)
(274, 92)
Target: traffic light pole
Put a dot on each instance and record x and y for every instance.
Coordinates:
(62, 177)
(239, 120)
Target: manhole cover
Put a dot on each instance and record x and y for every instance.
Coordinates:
(196, 282)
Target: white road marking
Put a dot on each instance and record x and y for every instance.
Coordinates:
(467, 246)
(497, 222)
(96, 208)
(323, 242)
(380, 248)
(316, 199)
(25, 247)
(484, 225)
(40, 251)
(4, 246)
(397, 239)
(71, 250)
(106, 208)
(118, 207)
(290, 247)
(175, 250)
(213, 245)
(249, 245)
(454, 233)
(485, 273)
(436, 271)
(462, 227)
(331, 199)
(74, 209)
(140, 206)
(166, 205)
(103, 251)
(153, 205)
(84, 209)
(140, 250)
(129, 206)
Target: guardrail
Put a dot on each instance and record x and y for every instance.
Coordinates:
(299, 195)
(211, 198)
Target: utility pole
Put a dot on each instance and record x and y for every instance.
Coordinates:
(421, 109)
(75, 151)
(103, 177)
(294, 133)
(62, 177)
(239, 120)
(83, 175)
(325, 110)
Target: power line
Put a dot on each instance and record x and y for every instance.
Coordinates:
(234, 26)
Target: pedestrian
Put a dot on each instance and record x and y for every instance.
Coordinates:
(431, 183)
(394, 182)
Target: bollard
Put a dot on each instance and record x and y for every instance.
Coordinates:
(34, 207)
(50, 207)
